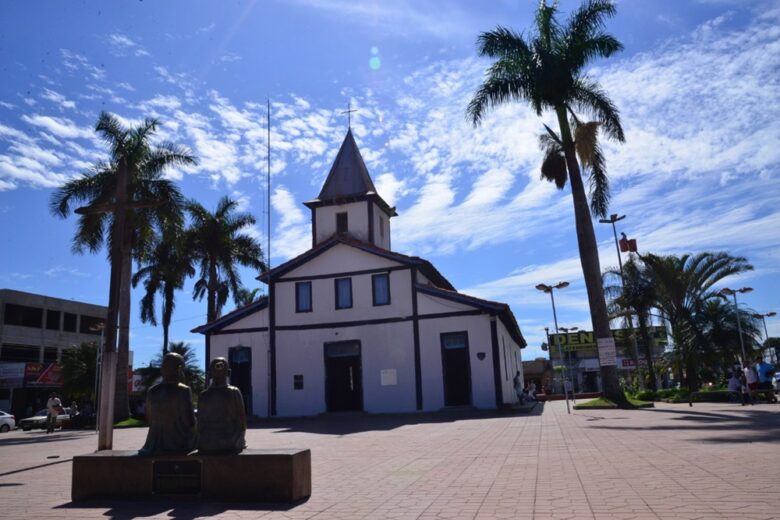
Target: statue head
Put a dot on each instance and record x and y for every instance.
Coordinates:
(219, 371)
(172, 369)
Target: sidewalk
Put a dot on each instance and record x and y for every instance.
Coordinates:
(712, 461)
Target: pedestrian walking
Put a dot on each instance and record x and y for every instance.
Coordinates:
(53, 408)
(751, 381)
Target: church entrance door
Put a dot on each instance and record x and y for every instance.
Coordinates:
(456, 368)
(343, 377)
(240, 360)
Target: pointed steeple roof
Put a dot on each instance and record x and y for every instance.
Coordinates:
(348, 176)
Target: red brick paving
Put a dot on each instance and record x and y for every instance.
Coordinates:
(673, 462)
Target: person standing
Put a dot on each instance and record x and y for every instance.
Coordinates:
(53, 407)
(751, 380)
(518, 382)
(765, 372)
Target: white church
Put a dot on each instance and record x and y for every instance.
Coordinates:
(351, 325)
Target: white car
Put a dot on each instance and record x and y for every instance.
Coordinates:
(7, 422)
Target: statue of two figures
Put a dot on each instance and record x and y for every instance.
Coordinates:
(173, 428)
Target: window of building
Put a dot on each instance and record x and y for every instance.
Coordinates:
(303, 297)
(380, 284)
(69, 322)
(343, 293)
(23, 315)
(298, 382)
(381, 227)
(342, 225)
(50, 355)
(53, 320)
(91, 325)
(19, 353)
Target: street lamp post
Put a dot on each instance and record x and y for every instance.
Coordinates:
(549, 289)
(733, 292)
(611, 220)
(102, 328)
(566, 330)
(766, 333)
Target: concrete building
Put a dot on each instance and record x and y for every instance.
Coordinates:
(34, 330)
(352, 325)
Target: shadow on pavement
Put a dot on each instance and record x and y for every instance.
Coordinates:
(348, 423)
(739, 425)
(177, 508)
(43, 437)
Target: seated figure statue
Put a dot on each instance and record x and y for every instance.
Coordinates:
(221, 415)
(169, 412)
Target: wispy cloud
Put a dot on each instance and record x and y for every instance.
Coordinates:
(58, 99)
(60, 271)
(123, 45)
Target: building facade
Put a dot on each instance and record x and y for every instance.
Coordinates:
(351, 325)
(34, 331)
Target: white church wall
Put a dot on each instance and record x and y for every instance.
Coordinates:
(363, 308)
(388, 347)
(478, 329)
(252, 321)
(258, 342)
(340, 258)
(357, 220)
(381, 227)
(427, 304)
(508, 354)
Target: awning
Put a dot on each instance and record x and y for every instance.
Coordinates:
(589, 364)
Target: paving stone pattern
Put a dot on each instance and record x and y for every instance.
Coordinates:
(712, 461)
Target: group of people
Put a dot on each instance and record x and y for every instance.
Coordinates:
(526, 391)
(752, 379)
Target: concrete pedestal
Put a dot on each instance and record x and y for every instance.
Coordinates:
(282, 475)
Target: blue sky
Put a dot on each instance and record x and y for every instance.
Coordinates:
(696, 84)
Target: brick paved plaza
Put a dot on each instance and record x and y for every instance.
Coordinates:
(676, 462)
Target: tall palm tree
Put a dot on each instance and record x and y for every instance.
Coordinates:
(246, 296)
(547, 71)
(132, 177)
(218, 246)
(684, 284)
(194, 377)
(635, 292)
(164, 270)
(718, 333)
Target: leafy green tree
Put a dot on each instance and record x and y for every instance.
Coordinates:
(718, 334)
(151, 201)
(79, 371)
(218, 247)
(684, 284)
(547, 71)
(164, 270)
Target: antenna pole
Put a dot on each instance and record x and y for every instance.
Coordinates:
(268, 180)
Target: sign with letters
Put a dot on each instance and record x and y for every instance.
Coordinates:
(607, 352)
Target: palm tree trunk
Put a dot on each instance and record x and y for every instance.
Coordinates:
(167, 312)
(649, 343)
(589, 258)
(121, 401)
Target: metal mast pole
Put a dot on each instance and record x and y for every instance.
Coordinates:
(560, 353)
(268, 181)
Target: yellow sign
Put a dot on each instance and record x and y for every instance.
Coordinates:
(585, 340)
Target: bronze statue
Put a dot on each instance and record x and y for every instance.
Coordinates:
(221, 415)
(169, 412)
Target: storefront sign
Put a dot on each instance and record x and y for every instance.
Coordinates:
(11, 375)
(43, 374)
(584, 340)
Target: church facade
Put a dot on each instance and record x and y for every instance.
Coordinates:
(351, 325)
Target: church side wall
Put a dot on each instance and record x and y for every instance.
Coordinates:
(258, 342)
(383, 347)
(478, 330)
(509, 353)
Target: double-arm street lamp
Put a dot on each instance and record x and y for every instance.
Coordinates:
(733, 292)
(549, 289)
(763, 318)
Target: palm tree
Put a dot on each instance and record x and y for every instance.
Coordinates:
(132, 178)
(218, 247)
(547, 71)
(684, 284)
(194, 377)
(246, 296)
(719, 335)
(164, 270)
(635, 293)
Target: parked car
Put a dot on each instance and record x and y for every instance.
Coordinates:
(7, 421)
(38, 421)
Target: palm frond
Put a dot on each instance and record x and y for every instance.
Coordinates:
(554, 162)
(502, 42)
(588, 97)
(546, 26)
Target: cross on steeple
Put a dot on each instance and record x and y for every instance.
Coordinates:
(349, 111)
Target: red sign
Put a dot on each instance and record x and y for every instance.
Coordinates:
(43, 374)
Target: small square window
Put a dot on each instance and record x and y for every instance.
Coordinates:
(298, 382)
(380, 284)
(343, 287)
(303, 297)
(342, 224)
(69, 323)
